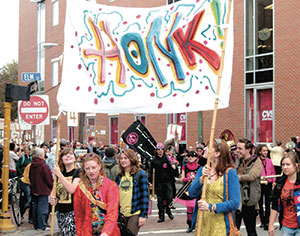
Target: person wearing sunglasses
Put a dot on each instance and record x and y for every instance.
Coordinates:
(165, 172)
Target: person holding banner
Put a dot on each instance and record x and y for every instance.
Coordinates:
(216, 208)
(96, 200)
(133, 187)
(165, 173)
(68, 179)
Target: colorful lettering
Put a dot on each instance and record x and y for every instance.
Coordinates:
(136, 41)
(102, 54)
(188, 45)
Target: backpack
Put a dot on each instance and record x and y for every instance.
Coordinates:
(23, 159)
(108, 167)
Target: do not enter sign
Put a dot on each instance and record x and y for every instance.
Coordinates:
(35, 111)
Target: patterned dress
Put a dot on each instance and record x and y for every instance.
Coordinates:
(98, 215)
(214, 224)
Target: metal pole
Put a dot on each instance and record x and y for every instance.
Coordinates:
(5, 221)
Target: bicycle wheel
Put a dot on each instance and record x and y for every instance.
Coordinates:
(15, 205)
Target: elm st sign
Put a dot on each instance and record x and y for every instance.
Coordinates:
(35, 111)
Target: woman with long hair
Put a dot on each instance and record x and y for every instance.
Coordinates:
(216, 206)
(133, 187)
(285, 197)
(68, 179)
(96, 200)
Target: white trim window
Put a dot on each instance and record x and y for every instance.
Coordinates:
(55, 12)
(55, 65)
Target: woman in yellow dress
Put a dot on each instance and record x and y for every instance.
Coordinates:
(215, 206)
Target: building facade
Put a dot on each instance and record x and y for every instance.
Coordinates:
(264, 85)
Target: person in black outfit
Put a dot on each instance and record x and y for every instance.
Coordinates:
(165, 173)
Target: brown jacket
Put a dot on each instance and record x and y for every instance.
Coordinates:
(249, 180)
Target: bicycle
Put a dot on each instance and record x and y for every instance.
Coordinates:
(14, 199)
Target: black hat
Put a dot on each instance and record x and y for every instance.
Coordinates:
(192, 154)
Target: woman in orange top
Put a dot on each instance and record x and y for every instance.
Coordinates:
(96, 200)
(285, 197)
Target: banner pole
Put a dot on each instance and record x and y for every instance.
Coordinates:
(55, 178)
(213, 125)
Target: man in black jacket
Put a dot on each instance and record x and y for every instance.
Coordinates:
(165, 173)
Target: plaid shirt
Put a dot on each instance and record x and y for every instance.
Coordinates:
(140, 195)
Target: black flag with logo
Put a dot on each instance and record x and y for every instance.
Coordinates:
(138, 138)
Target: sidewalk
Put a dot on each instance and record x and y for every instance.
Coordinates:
(27, 229)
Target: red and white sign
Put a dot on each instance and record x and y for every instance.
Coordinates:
(35, 111)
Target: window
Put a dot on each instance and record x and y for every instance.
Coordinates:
(55, 12)
(71, 133)
(53, 128)
(264, 23)
(172, 1)
(91, 121)
(264, 116)
(113, 130)
(41, 29)
(259, 70)
(142, 118)
(54, 73)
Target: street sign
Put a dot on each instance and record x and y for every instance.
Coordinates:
(35, 111)
(31, 76)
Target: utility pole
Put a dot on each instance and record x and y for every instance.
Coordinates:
(12, 93)
(5, 221)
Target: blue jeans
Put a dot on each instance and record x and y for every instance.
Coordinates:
(40, 211)
(285, 231)
(26, 197)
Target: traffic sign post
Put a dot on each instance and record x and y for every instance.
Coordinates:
(35, 111)
(31, 76)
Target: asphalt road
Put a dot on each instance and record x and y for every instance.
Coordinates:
(178, 226)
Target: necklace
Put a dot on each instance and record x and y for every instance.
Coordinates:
(210, 176)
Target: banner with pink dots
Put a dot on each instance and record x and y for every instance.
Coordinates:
(145, 60)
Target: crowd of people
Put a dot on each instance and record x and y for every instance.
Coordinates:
(93, 190)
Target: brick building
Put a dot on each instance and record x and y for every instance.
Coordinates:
(263, 101)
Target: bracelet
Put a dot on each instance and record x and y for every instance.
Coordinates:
(209, 207)
(201, 180)
(214, 208)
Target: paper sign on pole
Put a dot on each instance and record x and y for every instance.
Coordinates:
(80, 152)
(172, 129)
(72, 118)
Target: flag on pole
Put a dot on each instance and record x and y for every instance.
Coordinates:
(145, 60)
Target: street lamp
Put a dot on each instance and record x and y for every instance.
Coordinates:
(50, 45)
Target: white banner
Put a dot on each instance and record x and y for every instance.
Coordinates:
(145, 60)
